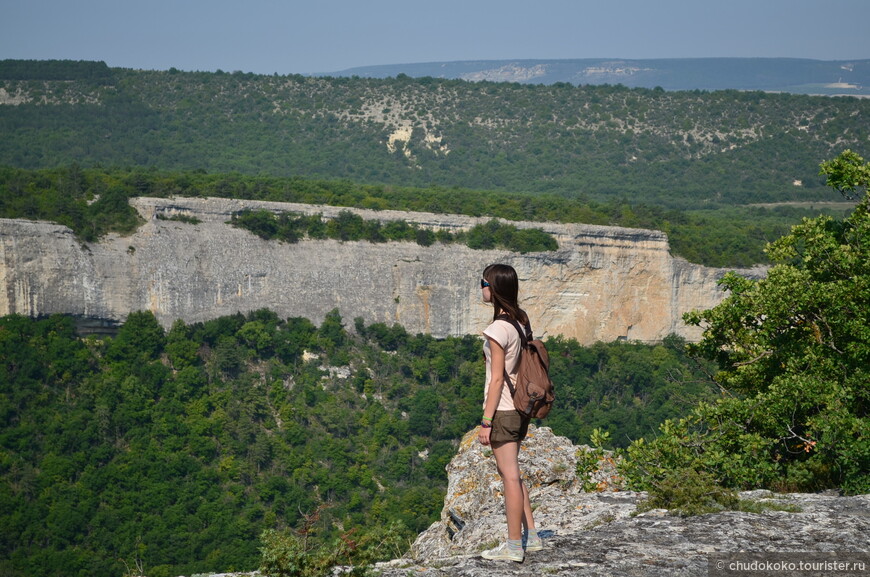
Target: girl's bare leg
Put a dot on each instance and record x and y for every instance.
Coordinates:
(528, 518)
(518, 508)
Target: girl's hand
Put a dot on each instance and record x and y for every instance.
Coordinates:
(483, 436)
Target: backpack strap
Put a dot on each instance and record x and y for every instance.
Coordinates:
(525, 336)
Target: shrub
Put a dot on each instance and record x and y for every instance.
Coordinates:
(688, 492)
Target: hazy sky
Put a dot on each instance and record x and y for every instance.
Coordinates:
(291, 36)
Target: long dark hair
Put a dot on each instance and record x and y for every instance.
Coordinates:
(504, 286)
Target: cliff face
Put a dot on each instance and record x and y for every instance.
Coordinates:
(603, 283)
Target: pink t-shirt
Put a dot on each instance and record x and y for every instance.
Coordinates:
(507, 336)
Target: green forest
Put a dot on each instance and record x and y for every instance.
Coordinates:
(93, 202)
(175, 449)
(688, 149)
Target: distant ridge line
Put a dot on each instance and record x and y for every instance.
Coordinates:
(792, 75)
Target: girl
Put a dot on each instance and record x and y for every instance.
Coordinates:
(502, 427)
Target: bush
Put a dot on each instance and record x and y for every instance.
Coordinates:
(347, 226)
(291, 553)
(688, 492)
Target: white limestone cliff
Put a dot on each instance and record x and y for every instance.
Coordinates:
(602, 284)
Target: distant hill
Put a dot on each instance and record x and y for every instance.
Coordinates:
(671, 148)
(794, 75)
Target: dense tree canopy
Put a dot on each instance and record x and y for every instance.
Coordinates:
(668, 149)
(174, 450)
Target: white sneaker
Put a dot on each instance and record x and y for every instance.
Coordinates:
(503, 553)
(534, 545)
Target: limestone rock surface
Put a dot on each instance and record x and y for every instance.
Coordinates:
(597, 534)
(602, 284)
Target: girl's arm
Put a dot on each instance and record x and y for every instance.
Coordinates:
(496, 382)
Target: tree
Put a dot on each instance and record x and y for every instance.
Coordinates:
(794, 357)
(181, 350)
(424, 413)
(140, 335)
(331, 334)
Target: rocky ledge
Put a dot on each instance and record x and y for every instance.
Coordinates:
(600, 534)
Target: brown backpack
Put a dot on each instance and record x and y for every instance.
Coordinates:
(534, 394)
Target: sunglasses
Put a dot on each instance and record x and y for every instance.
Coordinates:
(483, 283)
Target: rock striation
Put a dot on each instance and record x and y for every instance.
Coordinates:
(599, 534)
(602, 284)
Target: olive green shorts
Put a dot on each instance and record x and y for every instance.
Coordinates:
(508, 426)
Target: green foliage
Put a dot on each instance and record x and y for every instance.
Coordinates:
(724, 236)
(348, 226)
(593, 154)
(737, 236)
(671, 149)
(497, 235)
(689, 492)
(285, 555)
(599, 438)
(180, 218)
(627, 388)
(141, 336)
(847, 174)
(291, 553)
(71, 196)
(793, 351)
(54, 70)
(172, 450)
(589, 461)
